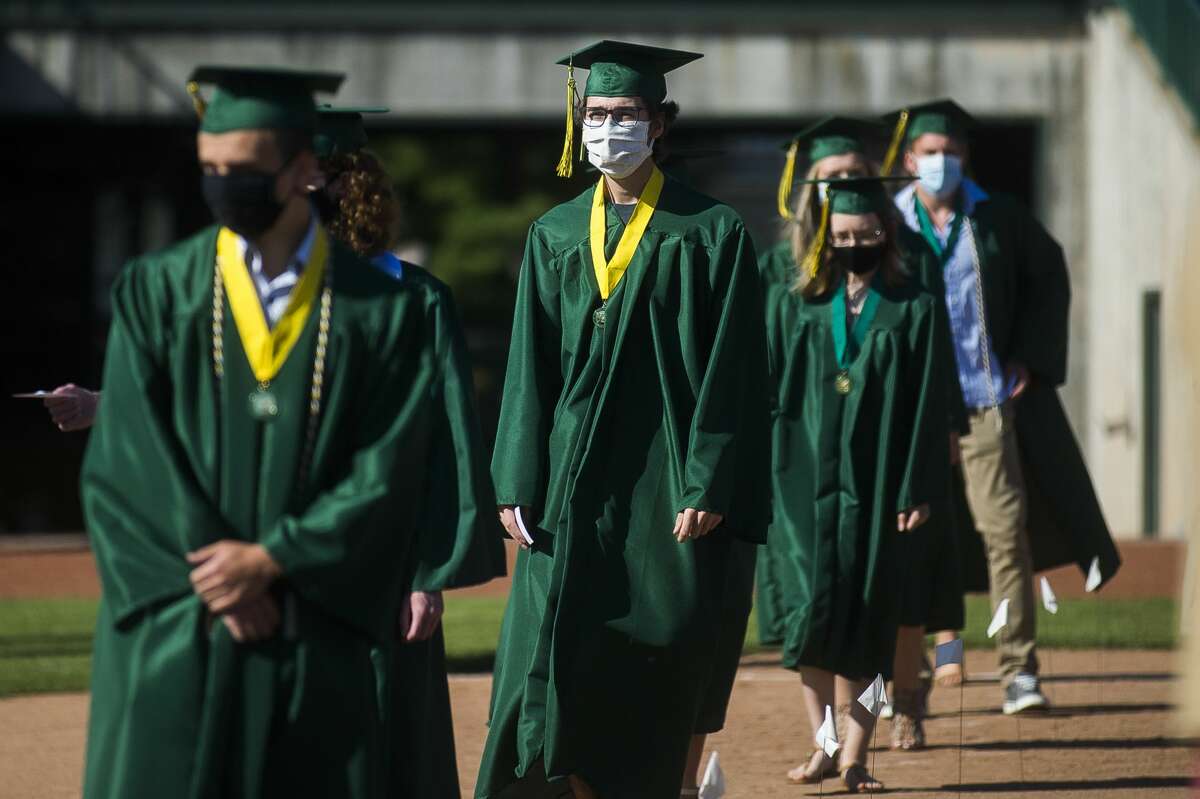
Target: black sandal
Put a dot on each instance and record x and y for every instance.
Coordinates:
(857, 778)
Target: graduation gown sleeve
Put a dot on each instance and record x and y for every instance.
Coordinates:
(532, 383)
(342, 550)
(729, 427)
(927, 464)
(141, 489)
(1041, 322)
(457, 543)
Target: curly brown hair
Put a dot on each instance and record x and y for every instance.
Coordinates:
(365, 212)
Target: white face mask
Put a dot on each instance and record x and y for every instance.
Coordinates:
(940, 174)
(617, 151)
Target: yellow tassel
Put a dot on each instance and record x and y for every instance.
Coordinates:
(893, 150)
(812, 259)
(565, 166)
(198, 103)
(785, 181)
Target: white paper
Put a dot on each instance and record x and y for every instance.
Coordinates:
(1000, 620)
(713, 784)
(1094, 578)
(827, 734)
(875, 697)
(521, 526)
(33, 395)
(1049, 600)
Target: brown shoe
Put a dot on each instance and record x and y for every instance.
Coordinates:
(908, 729)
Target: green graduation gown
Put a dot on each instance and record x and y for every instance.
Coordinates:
(606, 433)
(176, 461)
(844, 466)
(1027, 296)
(424, 759)
(933, 597)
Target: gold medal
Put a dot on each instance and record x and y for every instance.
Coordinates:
(263, 405)
(842, 382)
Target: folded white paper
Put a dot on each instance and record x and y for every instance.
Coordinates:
(1093, 579)
(713, 784)
(827, 735)
(875, 697)
(521, 526)
(1000, 620)
(1049, 600)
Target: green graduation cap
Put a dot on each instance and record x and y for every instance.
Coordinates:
(856, 196)
(340, 130)
(938, 116)
(249, 98)
(824, 138)
(618, 69)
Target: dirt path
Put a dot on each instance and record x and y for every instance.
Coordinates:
(1109, 738)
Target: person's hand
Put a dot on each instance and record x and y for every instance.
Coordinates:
(1018, 376)
(691, 523)
(229, 573)
(420, 615)
(909, 520)
(71, 407)
(255, 620)
(955, 450)
(508, 518)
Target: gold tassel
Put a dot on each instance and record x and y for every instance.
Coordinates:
(565, 167)
(812, 259)
(893, 150)
(785, 181)
(198, 103)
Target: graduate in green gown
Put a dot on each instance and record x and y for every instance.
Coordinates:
(840, 147)
(859, 454)
(360, 210)
(833, 147)
(633, 445)
(258, 488)
(1024, 501)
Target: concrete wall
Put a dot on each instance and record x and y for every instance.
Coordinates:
(1143, 232)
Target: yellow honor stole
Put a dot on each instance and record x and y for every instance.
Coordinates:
(610, 272)
(267, 348)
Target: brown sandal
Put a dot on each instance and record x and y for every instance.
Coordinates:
(908, 729)
(823, 773)
(857, 778)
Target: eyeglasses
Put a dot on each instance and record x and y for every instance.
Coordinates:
(847, 239)
(624, 116)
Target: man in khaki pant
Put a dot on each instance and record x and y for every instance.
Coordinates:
(1007, 296)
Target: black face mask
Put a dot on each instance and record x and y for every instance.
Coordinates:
(327, 207)
(244, 202)
(859, 260)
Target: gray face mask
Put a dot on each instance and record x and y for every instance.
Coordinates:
(615, 150)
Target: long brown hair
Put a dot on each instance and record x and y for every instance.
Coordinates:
(365, 216)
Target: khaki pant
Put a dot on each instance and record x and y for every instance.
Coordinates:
(996, 497)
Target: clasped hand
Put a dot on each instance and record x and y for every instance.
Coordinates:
(232, 578)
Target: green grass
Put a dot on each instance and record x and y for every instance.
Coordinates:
(45, 644)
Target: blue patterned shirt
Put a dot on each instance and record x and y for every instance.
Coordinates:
(959, 276)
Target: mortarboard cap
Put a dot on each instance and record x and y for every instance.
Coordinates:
(824, 138)
(937, 116)
(340, 130)
(269, 98)
(618, 69)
